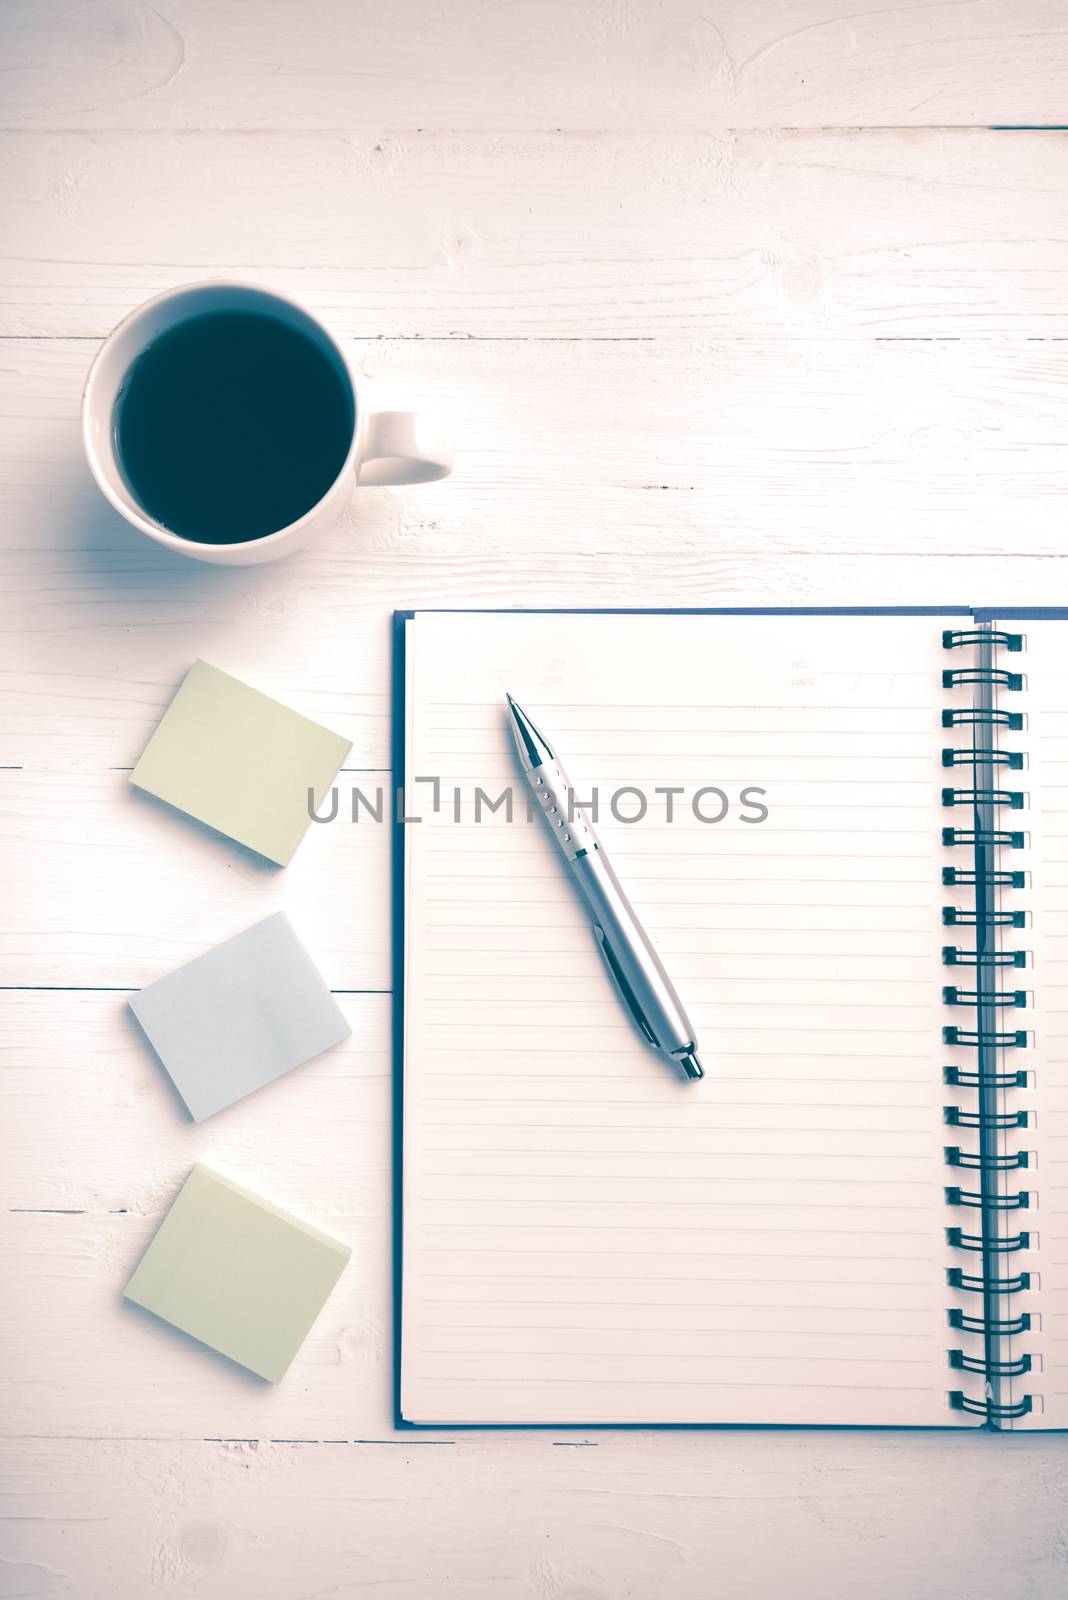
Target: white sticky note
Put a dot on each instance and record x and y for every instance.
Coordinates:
(239, 1016)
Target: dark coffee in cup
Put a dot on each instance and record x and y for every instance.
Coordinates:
(232, 425)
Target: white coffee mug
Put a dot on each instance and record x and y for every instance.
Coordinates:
(386, 446)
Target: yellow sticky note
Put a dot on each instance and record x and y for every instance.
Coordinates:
(240, 762)
(237, 1272)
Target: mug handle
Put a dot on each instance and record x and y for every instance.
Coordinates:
(403, 447)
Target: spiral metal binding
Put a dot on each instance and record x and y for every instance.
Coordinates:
(1004, 1325)
(971, 1198)
(964, 755)
(952, 996)
(970, 1080)
(989, 999)
(958, 917)
(968, 717)
(975, 1241)
(962, 877)
(1005, 1369)
(975, 797)
(1016, 1284)
(1011, 838)
(1012, 642)
(999, 1038)
(975, 1119)
(1012, 1161)
(990, 676)
(990, 1410)
(952, 957)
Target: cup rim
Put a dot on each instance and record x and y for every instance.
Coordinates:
(132, 512)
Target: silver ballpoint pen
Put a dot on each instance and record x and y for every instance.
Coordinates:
(639, 974)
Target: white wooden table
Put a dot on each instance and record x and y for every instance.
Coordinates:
(732, 302)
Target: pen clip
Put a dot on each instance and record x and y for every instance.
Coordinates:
(630, 999)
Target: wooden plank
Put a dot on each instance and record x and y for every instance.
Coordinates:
(57, 718)
(114, 888)
(717, 472)
(62, 718)
(577, 64)
(928, 234)
(84, 1083)
(136, 1376)
(529, 1515)
(858, 447)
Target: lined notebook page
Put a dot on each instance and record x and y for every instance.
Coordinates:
(587, 1238)
(1045, 701)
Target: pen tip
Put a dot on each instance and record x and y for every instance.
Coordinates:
(691, 1066)
(533, 749)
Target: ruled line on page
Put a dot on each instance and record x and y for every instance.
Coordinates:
(675, 1127)
(737, 1338)
(693, 877)
(701, 927)
(626, 1031)
(736, 1005)
(687, 1277)
(658, 1227)
(503, 774)
(719, 756)
(643, 1077)
(649, 705)
(677, 1178)
(670, 1305)
(691, 1382)
(625, 1200)
(602, 1254)
(691, 1356)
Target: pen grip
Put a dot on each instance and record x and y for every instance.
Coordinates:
(632, 956)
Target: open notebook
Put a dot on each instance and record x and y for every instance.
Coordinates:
(860, 1215)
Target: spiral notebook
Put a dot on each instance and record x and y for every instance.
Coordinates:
(860, 1215)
